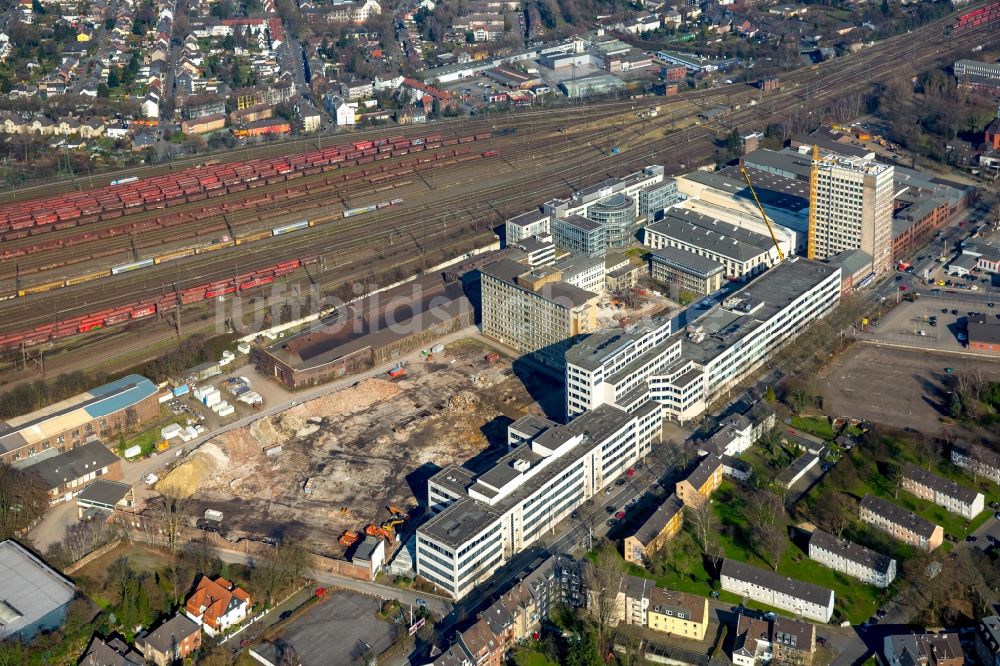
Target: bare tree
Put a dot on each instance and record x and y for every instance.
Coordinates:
(23, 500)
(171, 515)
(603, 579)
(834, 513)
(701, 520)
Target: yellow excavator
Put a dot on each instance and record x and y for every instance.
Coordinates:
(774, 239)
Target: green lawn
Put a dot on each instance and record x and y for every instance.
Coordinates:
(529, 657)
(147, 439)
(814, 425)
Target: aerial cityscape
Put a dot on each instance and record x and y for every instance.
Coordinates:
(499, 333)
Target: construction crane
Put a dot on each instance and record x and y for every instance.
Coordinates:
(774, 239)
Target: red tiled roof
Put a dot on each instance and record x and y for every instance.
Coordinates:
(214, 596)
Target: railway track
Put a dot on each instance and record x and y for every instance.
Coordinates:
(352, 252)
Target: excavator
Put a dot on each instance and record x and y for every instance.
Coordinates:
(374, 530)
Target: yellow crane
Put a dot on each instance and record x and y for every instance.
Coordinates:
(774, 239)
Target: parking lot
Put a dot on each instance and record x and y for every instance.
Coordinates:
(935, 323)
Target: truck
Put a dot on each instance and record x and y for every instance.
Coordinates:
(397, 372)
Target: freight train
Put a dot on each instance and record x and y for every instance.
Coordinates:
(147, 307)
(973, 19)
(129, 195)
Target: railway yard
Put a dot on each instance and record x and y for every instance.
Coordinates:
(151, 247)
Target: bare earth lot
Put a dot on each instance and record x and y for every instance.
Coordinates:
(897, 387)
(364, 448)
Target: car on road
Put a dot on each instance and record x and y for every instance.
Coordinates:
(997, 515)
(820, 640)
(421, 603)
(949, 370)
(954, 312)
(971, 538)
(944, 310)
(620, 515)
(612, 522)
(620, 482)
(630, 472)
(610, 508)
(880, 613)
(284, 615)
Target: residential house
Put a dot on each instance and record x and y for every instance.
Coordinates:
(702, 482)
(110, 652)
(978, 459)
(172, 641)
(856, 561)
(805, 599)
(988, 641)
(217, 605)
(342, 112)
(66, 474)
(779, 642)
(482, 645)
(654, 532)
(923, 649)
(678, 614)
(900, 523)
(943, 492)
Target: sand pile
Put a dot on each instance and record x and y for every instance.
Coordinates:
(200, 469)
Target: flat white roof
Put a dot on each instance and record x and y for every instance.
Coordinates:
(29, 588)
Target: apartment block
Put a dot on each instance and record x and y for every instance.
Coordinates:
(851, 208)
(943, 492)
(977, 459)
(702, 482)
(687, 370)
(534, 311)
(655, 532)
(923, 649)
(851, 559)
(767, 587)
(678, 614)
(988, 641)
(900, 524)
(779, 642)
(480, 521)
(685, 270)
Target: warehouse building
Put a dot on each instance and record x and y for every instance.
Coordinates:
(767, 587)
(376, 330)
(33, 595)
(850, 558)
(593, 84)
(686, 371)
(533, 311)
(900, 524)
(480, 521)
(101, 413)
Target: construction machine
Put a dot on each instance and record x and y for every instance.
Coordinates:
(390, 525)
(770, 229)
(375, 530)
(348, 538)
(396, 512)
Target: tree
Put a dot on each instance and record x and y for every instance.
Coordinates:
(701, 520)
(769, 394)
(24, 498)
(834, 513)
(603, 580)
(102, 91)
(278, 568)
(734, 143)
(113, 79)
(171, 515)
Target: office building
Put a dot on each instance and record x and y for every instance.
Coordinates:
(944, 492)
(850, 558)
(653, 534)
(618, 216)
(103, 412)
(805, 599)
(850, 208)
(655, 198)
(578, 234)
(677, 613)
(526, 225)
(534, 311)
(480, 521)
(582, 271)
(742, 253)
(538, 250)
(923, 649)
(900, 524)
(685, 270)
(686, 371)
(33, 595)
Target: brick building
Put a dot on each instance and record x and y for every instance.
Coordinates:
(899, 523)
(101, 413)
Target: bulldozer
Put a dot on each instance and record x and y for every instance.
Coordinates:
(348, 538)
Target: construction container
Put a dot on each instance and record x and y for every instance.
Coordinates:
(213, 515)
(492, 357)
